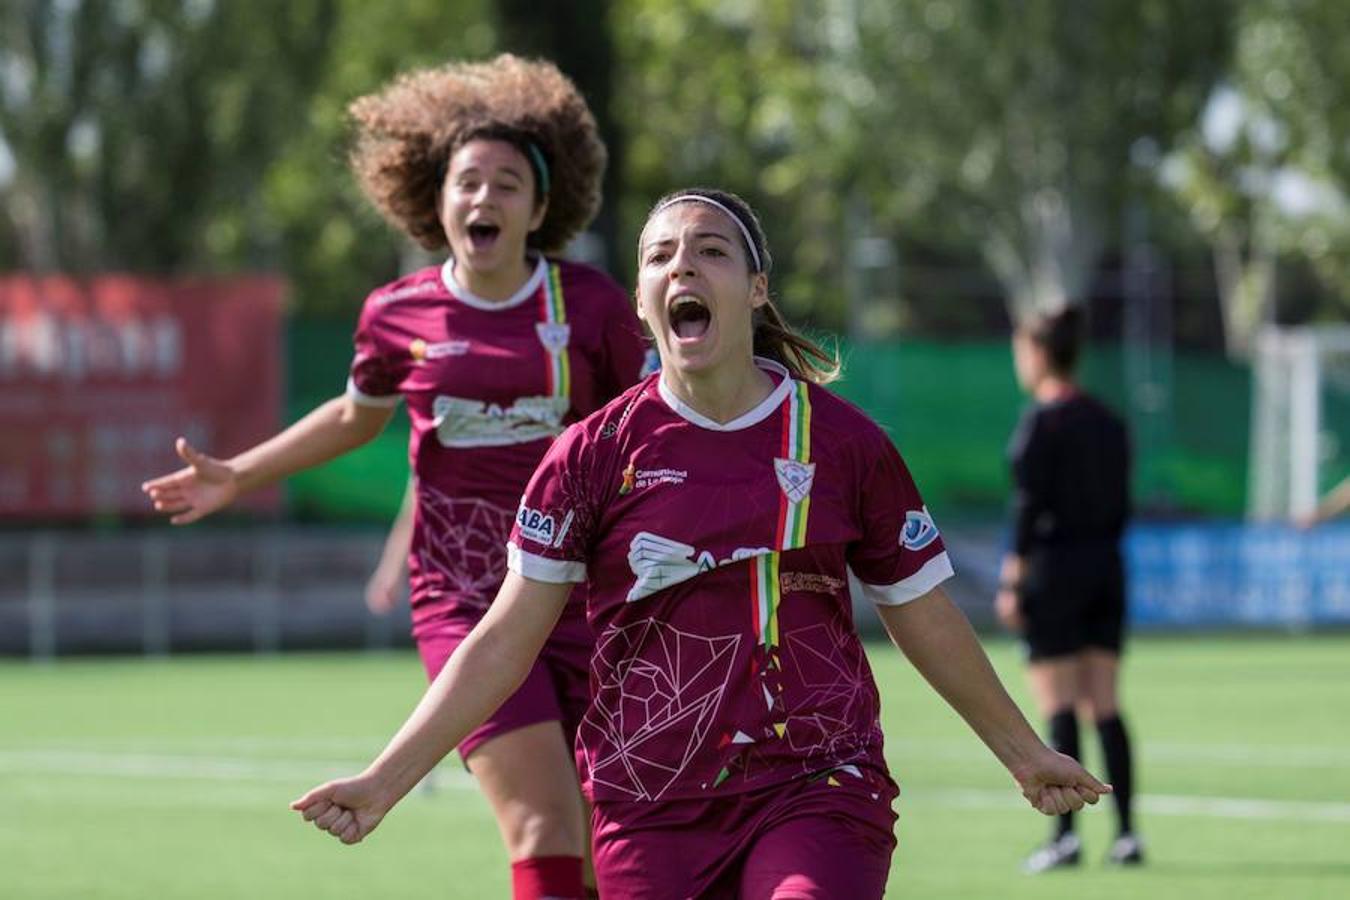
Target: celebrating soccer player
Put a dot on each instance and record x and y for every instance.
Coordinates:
(495, 352)
(717, 513)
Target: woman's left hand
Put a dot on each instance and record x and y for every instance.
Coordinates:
(1056, 784)
(348, 809)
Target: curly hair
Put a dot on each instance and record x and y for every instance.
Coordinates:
(407, 132)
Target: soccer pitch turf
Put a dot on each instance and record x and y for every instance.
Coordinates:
(131, 778)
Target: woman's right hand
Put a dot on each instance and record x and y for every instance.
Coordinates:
(1009, 608)
(384, 587)
(205, 485)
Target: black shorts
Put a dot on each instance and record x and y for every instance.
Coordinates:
(1072, 599)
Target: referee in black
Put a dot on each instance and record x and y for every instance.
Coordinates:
(1062, 585)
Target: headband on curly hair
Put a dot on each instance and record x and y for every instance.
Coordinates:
(407, 132)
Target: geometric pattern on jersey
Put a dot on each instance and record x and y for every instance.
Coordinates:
(816, 657)
(839, 685)
(463, 541)
(663, 682)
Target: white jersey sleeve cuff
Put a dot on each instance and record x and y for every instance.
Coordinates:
(540, 568)
(361, 399)
(934, 572)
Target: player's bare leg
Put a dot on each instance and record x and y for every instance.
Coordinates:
(530, 780)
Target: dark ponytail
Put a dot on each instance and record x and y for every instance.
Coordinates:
(1059, 335)
(773, 338)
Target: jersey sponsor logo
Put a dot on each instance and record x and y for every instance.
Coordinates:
(795, 478)
(463, 422)
(541, 527)
(658, 562)
(645, 478)
(421, 350)
(629, 480)
(553, 335)
(919, 530)
(810, 582)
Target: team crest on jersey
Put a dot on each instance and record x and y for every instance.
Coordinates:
(541, 527)
(553, 335)
(795, 478)
(919, 530)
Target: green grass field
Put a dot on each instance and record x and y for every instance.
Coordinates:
(136, 779)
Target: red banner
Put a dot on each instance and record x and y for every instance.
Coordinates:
(98, 376)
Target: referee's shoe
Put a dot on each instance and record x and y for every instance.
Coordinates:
(1127, 850)
(1057, 853)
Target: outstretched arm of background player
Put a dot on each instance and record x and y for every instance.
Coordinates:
(482, 672)
(938, 640)
(382, 588)
(1332, 505)
(207, 484)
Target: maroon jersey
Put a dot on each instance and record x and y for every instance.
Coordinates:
(718, 559)
(488, 385)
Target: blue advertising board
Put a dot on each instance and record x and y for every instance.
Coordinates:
(1233, 574)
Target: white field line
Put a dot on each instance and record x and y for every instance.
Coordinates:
(362, 748)
(1159, 805)
(1231, 755)
(199, 768)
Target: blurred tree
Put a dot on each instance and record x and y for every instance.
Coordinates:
(333, 245)
(736, 94)
(197, 135)
(1005, 127)
(576, 37)
(1265, 172)
(1023, 127)
(141, 132)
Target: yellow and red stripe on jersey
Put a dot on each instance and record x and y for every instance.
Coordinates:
(554, 316)
(793, 511)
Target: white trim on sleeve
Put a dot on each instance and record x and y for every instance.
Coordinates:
(930, 575)
(362, 399)
(540, 568)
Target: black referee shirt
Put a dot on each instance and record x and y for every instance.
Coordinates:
(1071, 474)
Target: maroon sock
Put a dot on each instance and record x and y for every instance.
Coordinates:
(551, 877)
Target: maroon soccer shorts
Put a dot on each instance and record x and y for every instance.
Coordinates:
(805, 840)
(556, 690)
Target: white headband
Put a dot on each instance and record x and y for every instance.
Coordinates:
(745, 232)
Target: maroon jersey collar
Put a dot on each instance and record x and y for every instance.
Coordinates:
(762, 411)
(468, 298)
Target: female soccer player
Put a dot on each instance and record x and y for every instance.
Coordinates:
(718, 513)
(494, 352)
(1063, 583)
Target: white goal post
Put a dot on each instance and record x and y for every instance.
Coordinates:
(1293, 371)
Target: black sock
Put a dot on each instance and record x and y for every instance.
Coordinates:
(1119, 767)
(1064, 738)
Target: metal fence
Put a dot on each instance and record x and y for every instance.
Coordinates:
(263, 589)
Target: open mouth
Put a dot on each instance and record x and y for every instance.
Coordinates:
(483, 235)
(689, 318)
